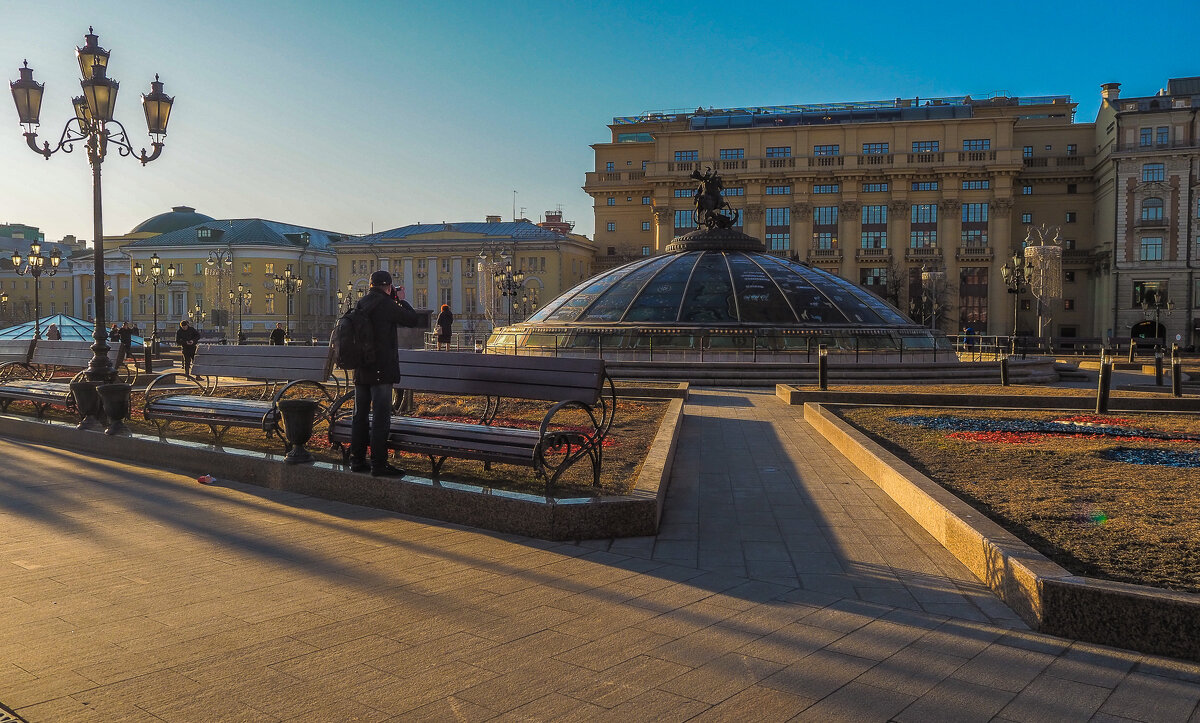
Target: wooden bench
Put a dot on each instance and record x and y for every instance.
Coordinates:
(568, 384)
(33, 380)
(277, 369)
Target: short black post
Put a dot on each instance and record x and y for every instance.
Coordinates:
(1004, 371)
(1105, 382)
(149, 358)
(299, 416)
(1176, 372)
(87, 402)
(116, 402)
(1158, 366)
(1132, 350)
(823, 367)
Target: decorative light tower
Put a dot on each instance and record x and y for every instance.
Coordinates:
(1154, 304)
(155, 278)
(35, 266)
(509, 284)
(1016, 278)
(348, 296)
(94, 126)
(1043, 269)
(289, 286)
(528, 303)
(219, 262)
(242, 298)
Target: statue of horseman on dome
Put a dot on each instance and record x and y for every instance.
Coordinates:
(709, 203)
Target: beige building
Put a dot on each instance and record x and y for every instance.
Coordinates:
(455, 264)
(1148, 198)
(874, 192)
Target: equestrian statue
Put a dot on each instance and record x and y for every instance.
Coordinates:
(709, 203)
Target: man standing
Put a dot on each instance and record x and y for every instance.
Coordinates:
(125, 336)
(277, 335)
(373, 382)
(186, 338)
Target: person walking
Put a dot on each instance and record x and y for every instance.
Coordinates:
(277, 335)
(125, 335)
(373, 382)
(114, 334)
(52, 333)
(444, 321)
(187, 337)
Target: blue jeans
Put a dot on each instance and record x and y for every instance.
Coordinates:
(374, 400)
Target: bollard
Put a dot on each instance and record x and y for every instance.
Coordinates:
(823, 367)
(1105, 382)
(1004, 371)
(1158, 366)
(149, 360)
(1176, 372)
(1132, 350)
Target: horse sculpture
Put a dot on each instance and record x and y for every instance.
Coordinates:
(709, 203)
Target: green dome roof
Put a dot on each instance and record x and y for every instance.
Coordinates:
(177, 218)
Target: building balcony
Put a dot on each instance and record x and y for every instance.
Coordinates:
(826, 161)
(1151, 223)
(974, 253)
(976, 156)
(934, 157)
(872, 254)
(923, 254)
(876, 159)
(825, 256)
(1056, 163)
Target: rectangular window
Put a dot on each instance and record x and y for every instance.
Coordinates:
(199, 269)
(779, 190)
(827, 188)
(925, 146)
(245, 267)
(1068, 304)
(823, 240)
(1072, 188)
(1146, 137)
(1026, 190)
(687, 155)
(924, 185)
(1154, 172)
(827, 150)
(645, 200)
(1161, 135)
(872, 149)
(645, 251)
(735, 191)
(1150, 249)
(645, 225)
(779, 241)
(1069, 277)
(779, 217)
(611, 226)
(976, 185)
(1072, 149)
(469, 300)
(1027, 218)
(874, 278)
(977, 144)
(1071, 216)
(874, 239)
(269, 302)
(684, 192)
(922, 239)
(923, 230)
(874, 215)
(779, 228)
(609, 166)
(779, 151)
(268, 268)
(684, 222)
(974, 212)
(1027, 152)
(612, 201)
(422, 300)
(973, 298)
(825, 215)
(874, 188)
(924, 213)
(732, 154)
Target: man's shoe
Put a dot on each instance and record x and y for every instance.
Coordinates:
(387, 470)
(360, 466)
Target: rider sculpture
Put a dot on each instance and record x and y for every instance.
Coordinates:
(709, 203)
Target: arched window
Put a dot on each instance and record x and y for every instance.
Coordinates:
(1152, 209)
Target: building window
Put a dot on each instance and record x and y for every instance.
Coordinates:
(779, 241)
(974, 225)
(923, 229)
(245, 267)
(974, 212)
(779, 217)
(644, 164)
(924, 213)
(1162, 135)
(873, 149)
(779, 190)
(611, 226)
(973, 298)
(1027, 152)
(1027, 218)
(687, 155)
(684, 222)
(1072, 149)
(610, 166)
(269, 302)
(1146, 137)
(732, 154)
(976, 185)
(977, 144)
(924, 185)
(1068, 305)
(925, 146)
(829, 150)
(874, 278)
(1049, 147)
(684, 192)
(645, 200)
(779, 151)
(1069, 277)
(1150, 249)
(874, 188)
(1154, 172)
(612, 201)
(922, 239)
(1144, 289)
(645, 225)
(645, 251)
(825, 216)
(1152, 209)
(824, 240)
(827, 188)
(735, 191)
(1071, 217)
(1027, 190)
(1068, 244)
(874, 215)
(1072, 188)
(873, 240)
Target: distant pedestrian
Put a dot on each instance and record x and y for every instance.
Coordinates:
(114, 333)
(52, 332)
(125, 334)
(444, 321)
(187, 339)
(278, 335)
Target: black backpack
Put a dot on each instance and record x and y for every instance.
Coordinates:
(353, 341)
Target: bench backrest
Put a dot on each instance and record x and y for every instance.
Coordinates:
(267, 363)
(15, 350)
(543, 378)
(59, 353)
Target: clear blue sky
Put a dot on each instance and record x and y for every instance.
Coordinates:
(356, 115)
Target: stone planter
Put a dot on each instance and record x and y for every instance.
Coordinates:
(87, 402)
(115, 399)
(299, 416)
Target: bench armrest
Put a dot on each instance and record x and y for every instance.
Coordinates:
(322, 411)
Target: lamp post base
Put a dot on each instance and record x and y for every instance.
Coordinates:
(299, 416)
(87, 401)
(115, 398)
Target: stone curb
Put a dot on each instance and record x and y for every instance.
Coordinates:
(1046, 596)
(633, 515)
(1166, 403)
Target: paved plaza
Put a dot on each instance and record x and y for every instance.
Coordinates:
(783, 585)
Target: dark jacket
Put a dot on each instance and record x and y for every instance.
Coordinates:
(277, 337)
(187, 338)
(385, 314)
(445, 320)
(125, 334)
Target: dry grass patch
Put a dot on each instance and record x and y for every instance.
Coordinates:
(1113, 520)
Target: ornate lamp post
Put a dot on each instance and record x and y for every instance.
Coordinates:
(1154, 303)
(348, 296)
(528, 303)
(155, 278)
(509, 284)
(929, 306)
(289, 286)
(219, 262)
(1016, 278)
(94, 125)
(35, 265)
(242, 298)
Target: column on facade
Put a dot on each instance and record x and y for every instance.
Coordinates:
(949, 227)
(849, 223)
(1000, 312)
(664, 227)
(456, 285)
(801, 229)
(431, 270)
(76, 296)
(406, 292)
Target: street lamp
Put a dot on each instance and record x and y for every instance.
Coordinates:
(288, 285)
(929, 305)
(1154, 303)
(509, 284)
(348, 296)
(219, 262)
(155, 278)
(1016, 278)
(35, 265)
(242, 298)
(95, 126)
(528, 303)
